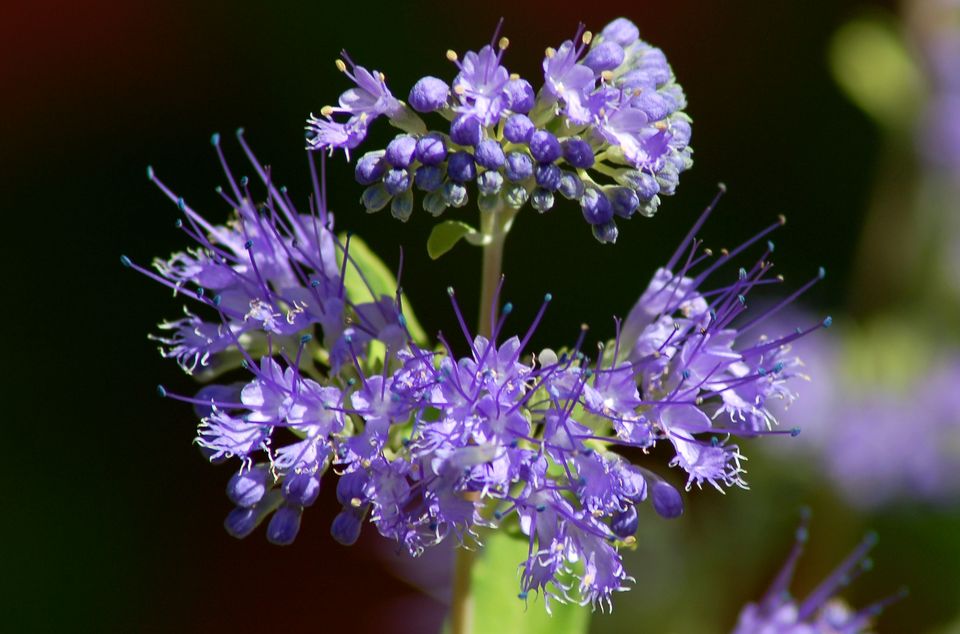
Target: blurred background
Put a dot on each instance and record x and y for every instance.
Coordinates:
(842, 114)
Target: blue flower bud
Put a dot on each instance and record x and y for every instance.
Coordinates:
(490, 155)
(542, 199)
(346, 527)
(301, 488)
(606, 55)
(518, 128)
(548, 176)
(644, 184)
(461, 168)
(454, 194)
(396, 181)
(668, 178)
(247, 486)
(370, 168)
(624, 523)
(519, 166)
(241, 521)
(402, 206)
(516, 196)
(431, 149)
(434, 203)
(622, 31)
(624, 201)
(401, 150)
(666, 500)
(571, 186)
(428, 94)
(428, 178)
(578, 152)
(351, 486)
(596, 207)
(606, 233)
(520, 95)
(375, 197)
(489, 183)
(466, 130)
(284, 525)
(545, 147)
(649, 208)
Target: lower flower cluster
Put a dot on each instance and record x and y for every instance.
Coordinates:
(427, 443)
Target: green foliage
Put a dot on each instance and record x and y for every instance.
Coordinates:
(446, 234)
(871, 63)
(496, 581)
(382, 282)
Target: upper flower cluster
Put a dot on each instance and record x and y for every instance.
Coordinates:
(606, 129)
(428, 443)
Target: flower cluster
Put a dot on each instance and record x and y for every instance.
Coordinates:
(820, 612)
(859, 395)
(606, 129)
(428, 443)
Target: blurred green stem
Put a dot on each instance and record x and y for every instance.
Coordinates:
(496, 224)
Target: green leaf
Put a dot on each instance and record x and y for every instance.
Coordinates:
(381, 279)
(871, 63)
(448, 233)
(496, 583)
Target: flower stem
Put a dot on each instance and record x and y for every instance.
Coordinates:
(461, 606)
(495, 224)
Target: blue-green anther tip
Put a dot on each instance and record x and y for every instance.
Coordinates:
(827, 322)
(149, 172)
(795, 432)
(124, 260)
(215, 139)
(181, 204)
(548, 297)
(450, 291)
(770, 246)
(162, 391)
(240, 132)
(822, 272)
(507, 308)
(216, 300)
(306, 339)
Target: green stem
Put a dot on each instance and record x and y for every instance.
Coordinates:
(461, 607)
(495, 224)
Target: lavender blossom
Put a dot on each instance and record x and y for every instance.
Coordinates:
(430, 444)
(608, 120)
(819, 612)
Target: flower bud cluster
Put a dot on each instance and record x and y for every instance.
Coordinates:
(606, 129)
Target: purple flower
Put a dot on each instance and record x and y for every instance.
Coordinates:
(609, 108)
(819, 612)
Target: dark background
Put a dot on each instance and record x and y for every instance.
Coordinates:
(113, 519)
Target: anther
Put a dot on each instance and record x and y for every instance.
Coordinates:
(341, 66)
(550, 52)
(248, 244)
(507, 308)
(149, 172)
(451, 55)
(503, 43)
(822, 272)
(181, 205)
(240, 132)
(782, 219)
(587, 37)
(450, 291)
(514, 76)
(607, 76)
(827, 322)
(548, 297)
(326, 111)
(304, 340)
(724, 252)
(162, 391)
(659, 125)
(770, 246)
(124, 260)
